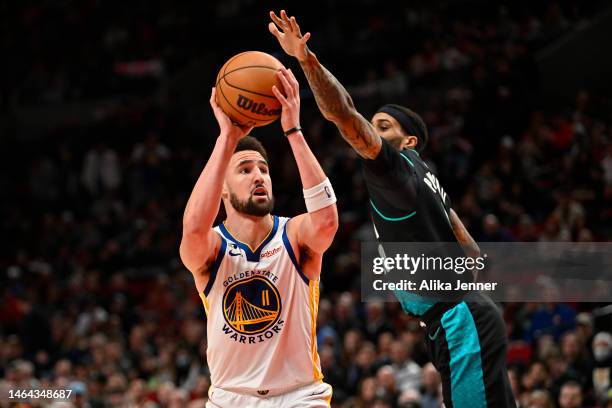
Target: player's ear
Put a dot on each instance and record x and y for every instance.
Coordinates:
(409, 142)
(224, 191)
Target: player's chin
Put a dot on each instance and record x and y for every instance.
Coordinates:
(262, 202)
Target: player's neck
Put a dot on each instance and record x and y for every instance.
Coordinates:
(249, 229)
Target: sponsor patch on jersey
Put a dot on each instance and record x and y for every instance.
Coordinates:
(270, 252)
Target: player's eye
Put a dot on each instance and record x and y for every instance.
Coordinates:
(264, 170)
(244, 170)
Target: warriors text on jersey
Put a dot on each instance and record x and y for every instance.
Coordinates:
(262, 313)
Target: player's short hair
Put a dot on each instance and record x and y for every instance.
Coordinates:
(251, 143)
(410, 121)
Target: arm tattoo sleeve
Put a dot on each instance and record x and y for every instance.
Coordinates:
(336, 105)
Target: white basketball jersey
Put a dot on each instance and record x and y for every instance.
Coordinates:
(262, 313)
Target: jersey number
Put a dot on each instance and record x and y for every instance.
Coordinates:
(434, 184)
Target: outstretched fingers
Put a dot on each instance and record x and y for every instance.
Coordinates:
(295, 27)
(285, 18)
(292, 82)
(289, 89)
(276, 19)
(279, 95)
(274, 30)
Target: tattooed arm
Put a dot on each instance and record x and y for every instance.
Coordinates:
(333, 100)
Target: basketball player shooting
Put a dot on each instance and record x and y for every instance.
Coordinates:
(257, 273)
(466, 336)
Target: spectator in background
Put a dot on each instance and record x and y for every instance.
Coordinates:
(536, 377)
(602, 373)
(375, 321)
(411, 399)
(332, 371)
(344, 315)
(492, 231)
(577, 358)
(136, 394)
(407, 372)
(539, 399)
(550, 318)
(362, 366)
(101, 170)
(80, 394)
(365, 396)
(584, 330)
(387, 389)
(570, 214)
(148, 159)
(431, 387)
(570, 395)
(325, 330)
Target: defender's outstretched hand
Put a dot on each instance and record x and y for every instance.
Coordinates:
(287, 32)
(290, 116)
(226, 125)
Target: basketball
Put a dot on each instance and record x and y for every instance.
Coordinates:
(244, 88)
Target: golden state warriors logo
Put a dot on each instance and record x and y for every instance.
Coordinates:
(251, 306)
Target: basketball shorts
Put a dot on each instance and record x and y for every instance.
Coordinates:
(315, 395)
(467, 344)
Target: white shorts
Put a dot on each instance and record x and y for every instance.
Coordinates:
(315, 395)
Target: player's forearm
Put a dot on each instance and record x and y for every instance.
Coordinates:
(463, 236)
(311, 175)
(203, 204)
(333, 100)
(336, 105)
(309, 168)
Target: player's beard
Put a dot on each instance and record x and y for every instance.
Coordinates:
(251, 207)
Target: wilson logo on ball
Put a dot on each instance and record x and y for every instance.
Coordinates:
(257, 108)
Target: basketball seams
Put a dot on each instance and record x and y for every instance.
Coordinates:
(230, 60)
(248, 90)
(224, 67)
(239, 112)
(249, 66)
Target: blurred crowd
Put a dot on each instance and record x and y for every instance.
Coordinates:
(93, 295)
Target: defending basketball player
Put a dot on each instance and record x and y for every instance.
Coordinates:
(257, 273)
(466, 334)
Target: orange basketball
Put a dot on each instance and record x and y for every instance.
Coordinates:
(244, 88)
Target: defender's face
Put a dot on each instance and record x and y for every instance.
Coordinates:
(248, 185)
(388, 128)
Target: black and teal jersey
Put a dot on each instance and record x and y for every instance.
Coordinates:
(407, 202)
(465, 338)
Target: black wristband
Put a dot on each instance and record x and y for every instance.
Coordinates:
(293, 130)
